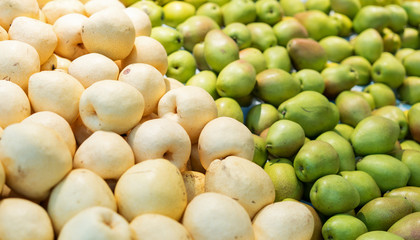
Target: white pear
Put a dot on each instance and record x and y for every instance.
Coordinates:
(2, 173)
(14, 104)
(151, 226)
(283, 220)
(242, 180)
(55, 9)
(141, 21)
(79, 190)
(194, 183)
(69, 29)
(96, 223)
(109, 32)
(152, 186)
(194, 161)
(94, 6)
(93, 67)
(18, 61)
(148, 80)
(111, 105)
(192, 107)
(46, 92)
(161, 138)
(150, 51)
(223, 137)
(58, 123)
(21, 219)
(80, 131)
(217, 216)
(41, 3)
(57, 63)
(104, 153)
(10, 9)
(35, 159)
(3, 34)
(172, 83)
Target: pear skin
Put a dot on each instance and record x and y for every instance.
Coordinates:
(277, 57)
(382, 94)
(291, 7)
(395, 114)
(317, 24)
(243, 11)
(376, 17)
(289, 28)
(413, 117)
(200, 60)
(411, 193)
(338, 79)
(411, 158)
(365, 185)
(236, 80)
(369, 44)
(307, 53)
(409, 91)
(346, 7)
(374, 235)
(388, 70)
(337, 48)
(407, 227)
(344, 130)
(262, 35)
(343, 149)
(411, 63)
(362, 66)
(219, 50)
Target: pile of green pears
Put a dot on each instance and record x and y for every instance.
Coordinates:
(329, 88)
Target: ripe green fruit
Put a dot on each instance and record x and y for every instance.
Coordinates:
(229, 107)
(284, 138)
(343, 226)
(364, 184)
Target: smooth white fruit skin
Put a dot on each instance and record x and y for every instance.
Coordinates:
(161, 138)
(94, 6)
(22, 219)
(14, 104)
(111, 105)
(96, 223)
(10, 9)
(141, 21)
(283, 220)
(217, 216)
(55, 9)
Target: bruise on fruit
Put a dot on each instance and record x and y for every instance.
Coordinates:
(126, 71)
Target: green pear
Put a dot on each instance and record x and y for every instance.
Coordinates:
(219, 2)
(412, 194)
(410, 38)
(321, 5)
(343, 227)
(277, 57)
(275, 86)
(395, 114)
(287, 29)
(362, 66)
(229, 107)
(291, 7)
(312, 111)
(369, 44)
(376, 17)
(307, 53)
(344, 24)
(413, 117)
(316, 159)
(409, 144)
(269, 11)
(262, 35)
(219, 50)
(196, 3)
(310, 80)
(211, 10)
(260, 153)
(382, 94)
(239, 33)
(380, 213)
(409, 91)
(342, 147)
(317, 23)
(365, 185)
(255, 57)
(407, 227)
(392, 41)
(170, 38)
(398, 18)
(344, 130)
(243, 11)
(413, 12)
(181, 65)
(376, 235)
(200, 60)
(411, 158)
(388, 172)
(347, 7)
(368, 98)
(284, 138)
(260, 117)
(411, 64)
(388, 70)
(153, 10)
(176, 12)
(286, 184)
(236, 80)
(338, 79)
(206, 80)
(337, 48)
(194, 30)
(374, 135)
(332, 194)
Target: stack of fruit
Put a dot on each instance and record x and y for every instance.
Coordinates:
(220, 119)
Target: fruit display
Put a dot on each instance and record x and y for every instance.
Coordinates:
(219, 119)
